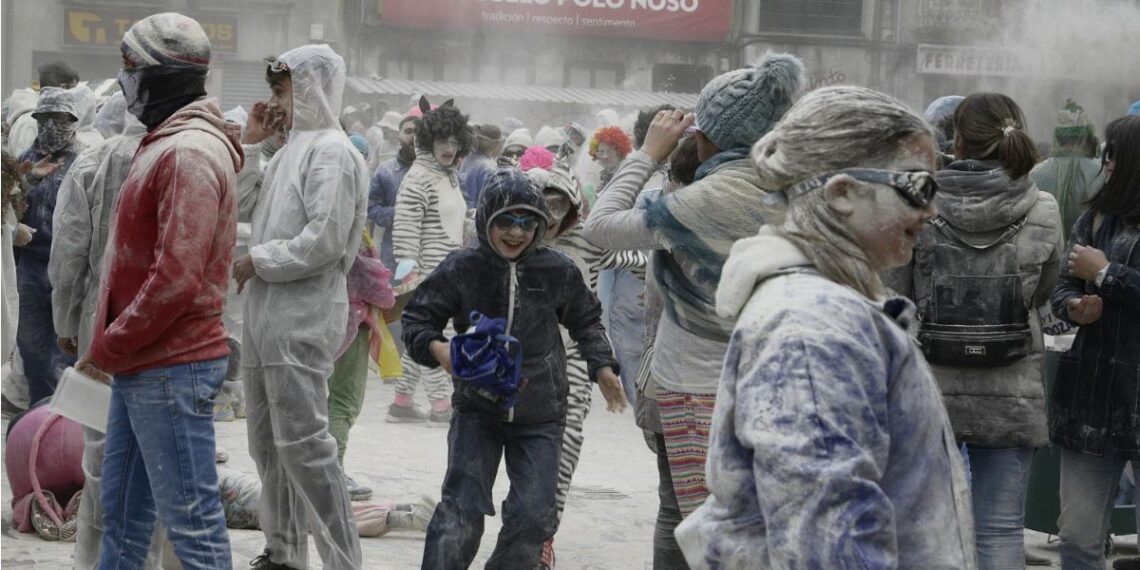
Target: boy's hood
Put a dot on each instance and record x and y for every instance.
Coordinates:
(318, 76)
(509, 189)
(206, 116)
(750, 262)
(979, 196)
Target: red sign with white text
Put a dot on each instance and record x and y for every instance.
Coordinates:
(684, 20)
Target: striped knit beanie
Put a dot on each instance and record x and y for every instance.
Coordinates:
(167, 39)
(737, 108)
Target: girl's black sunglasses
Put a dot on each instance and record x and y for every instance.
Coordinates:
(917, 187)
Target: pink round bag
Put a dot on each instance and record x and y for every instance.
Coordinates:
(43, 458)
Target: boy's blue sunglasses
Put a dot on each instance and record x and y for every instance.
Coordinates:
(527, 222)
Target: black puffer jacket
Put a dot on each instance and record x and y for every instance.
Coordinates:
(1096, 394)
(546, 289)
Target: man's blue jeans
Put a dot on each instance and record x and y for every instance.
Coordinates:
(1088, 490)
(999, 480)
(158, 462)
(475, 444)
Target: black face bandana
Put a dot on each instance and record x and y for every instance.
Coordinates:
(154, 93)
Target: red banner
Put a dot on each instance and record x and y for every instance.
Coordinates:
(685, 20)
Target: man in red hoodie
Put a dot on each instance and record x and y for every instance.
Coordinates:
(158, 327)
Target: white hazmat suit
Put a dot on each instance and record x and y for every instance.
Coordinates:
(307, 225)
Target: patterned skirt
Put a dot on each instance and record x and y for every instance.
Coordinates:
(685, 420)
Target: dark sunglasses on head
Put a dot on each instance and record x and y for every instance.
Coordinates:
(527, 222)
(917, 187)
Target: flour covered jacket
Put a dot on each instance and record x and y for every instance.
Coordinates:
(171, 246)
(830, 446)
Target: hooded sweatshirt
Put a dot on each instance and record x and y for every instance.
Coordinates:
(535, 293)
(1002, 406)
(830, 446)
(171, 246)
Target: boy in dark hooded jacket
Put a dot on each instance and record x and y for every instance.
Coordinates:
(507, 275)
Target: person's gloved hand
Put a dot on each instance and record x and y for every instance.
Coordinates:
(611, 389)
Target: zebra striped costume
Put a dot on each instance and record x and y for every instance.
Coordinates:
(428, 225)
(591, 260)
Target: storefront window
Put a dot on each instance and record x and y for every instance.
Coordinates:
(839, 17)
(598, 75)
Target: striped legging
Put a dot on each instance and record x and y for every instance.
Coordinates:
(437, 382)
(578, 407)
(685, 421)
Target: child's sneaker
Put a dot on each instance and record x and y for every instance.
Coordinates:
(440, 419)
(405, 415)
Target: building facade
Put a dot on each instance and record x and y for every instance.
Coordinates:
(86, 34)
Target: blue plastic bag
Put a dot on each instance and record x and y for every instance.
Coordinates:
(489, 359)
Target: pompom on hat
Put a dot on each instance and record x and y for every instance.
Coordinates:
(735, 109)
(168, 39)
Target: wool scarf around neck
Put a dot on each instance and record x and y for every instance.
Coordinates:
(700, 223)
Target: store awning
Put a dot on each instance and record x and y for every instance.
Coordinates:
(522, 93)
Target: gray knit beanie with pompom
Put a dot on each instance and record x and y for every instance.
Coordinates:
(737, 108)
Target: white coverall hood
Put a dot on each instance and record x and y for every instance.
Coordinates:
(318, 76)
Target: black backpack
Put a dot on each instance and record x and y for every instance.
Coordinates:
(976, 314)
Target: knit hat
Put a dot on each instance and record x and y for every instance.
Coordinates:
(1134, 109)
(519, 137)
(168, 39)
(547, 137)
(360, 143)
(1072, 122)
(737, 108)
(536, 157)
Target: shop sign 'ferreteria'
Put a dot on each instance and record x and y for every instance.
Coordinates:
(975, 61)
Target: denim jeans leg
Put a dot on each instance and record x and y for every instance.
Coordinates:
(530, 514)
(999, 484)
(172, 411)
(474, 449)
(35, 336)
(1088, 486)
(128, 506)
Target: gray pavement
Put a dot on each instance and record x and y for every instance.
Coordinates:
(609, 517)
